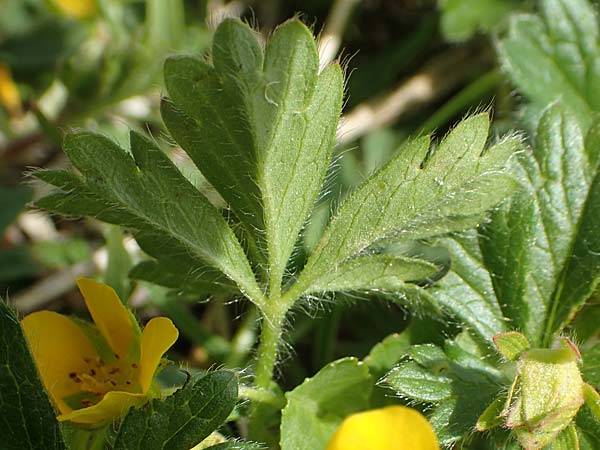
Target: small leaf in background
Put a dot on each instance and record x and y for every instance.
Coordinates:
(316, 408)
(119, 263)
(28, 421)
(183, 419)
(461, 19)
(13, 200)
(562, 44)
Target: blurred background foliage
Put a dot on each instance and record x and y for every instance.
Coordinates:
(412, 66)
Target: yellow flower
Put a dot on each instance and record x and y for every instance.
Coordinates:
(9, 94)
(78, 9)
(95, 373)
(390, 428)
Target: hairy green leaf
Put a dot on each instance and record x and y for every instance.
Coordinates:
(260, 126)
(27, 421)
(415, 196)
(374, 272)
(146, 193)
(183, 419)
(316, 408)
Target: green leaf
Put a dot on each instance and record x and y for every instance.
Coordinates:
(146, 193)
(415, 197)
(416, 382)
(267, 144)
(511, 344)
(384, 272)
(387, 353)
(587, 430)
(591, 365)
(183, 419)
(540, 247)
(13, 200)
(186, 277)
(592, 400)
(466, 293)
(537, 261)
(27, 421)
(556, 55)
(461, 19)
(315, 409)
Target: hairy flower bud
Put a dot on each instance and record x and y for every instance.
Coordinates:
(545, 396)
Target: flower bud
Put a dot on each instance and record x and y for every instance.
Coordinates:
(547, 393)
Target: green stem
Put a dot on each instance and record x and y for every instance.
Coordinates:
(461, 101)
(270, 336)
(272, 324)
(262, 396)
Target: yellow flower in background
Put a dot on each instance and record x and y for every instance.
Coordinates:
(78, 9)
(390, 428)
(9, 94)
(95, 373)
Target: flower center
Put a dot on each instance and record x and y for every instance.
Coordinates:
(98, 378)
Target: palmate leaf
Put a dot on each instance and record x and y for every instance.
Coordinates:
(562, 44)
(147, 194)
(268, 143)
(415, 196)
(27, 419)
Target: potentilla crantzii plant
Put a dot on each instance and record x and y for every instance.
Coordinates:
(259, 119)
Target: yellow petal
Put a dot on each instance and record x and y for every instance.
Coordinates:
(158, 336)
(390, 428)
(79, 9)
(109, 314)
(112, 405)
(59, 348)
(9, 94)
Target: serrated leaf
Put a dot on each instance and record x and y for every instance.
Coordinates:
(315, 409)
(541, 247)
(183, 419)
(268, 141)
(411, 197)
(27, 419)
(146, 193)
(555, 55)
(537, 260)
